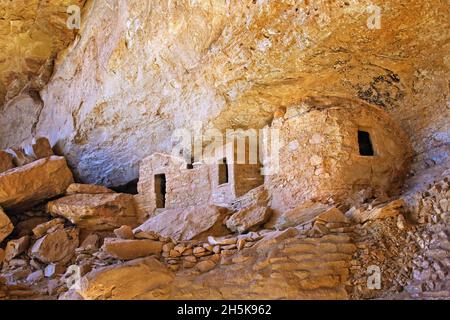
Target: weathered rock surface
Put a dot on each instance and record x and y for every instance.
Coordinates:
(34, 182)
(244, 64)
(57, 247)
(6, 227)
(279, 267)
(248, 218)
(131, 249)
(106, 211)
(233, 64)
(125, 282)
(6, 161)
(32, 34)
(185, 224)
(78, 188)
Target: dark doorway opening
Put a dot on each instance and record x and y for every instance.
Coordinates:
(160, 191)
(365, 144)
(130, 187)
(223, 172)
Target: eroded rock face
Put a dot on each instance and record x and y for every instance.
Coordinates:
(106, 211)
(34, 182)
(32, 34)
(234, 64)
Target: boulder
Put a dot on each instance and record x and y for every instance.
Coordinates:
(6, 161)
(35, 276)
(20, 158)
(256, 197)
(90, 242)
(6, 227)
(185, 224)
(302, 214)
(28, 185)
(222, 241)
(205, 266)
(124, 232)
(2, 256)
(141, 279)
(333, 215)
(42, 229)
(41, 148)
(131, 249)
(78, 188)
(15, 248)
(381, 211)
(57, 247)
(248, 218)
(96, 212)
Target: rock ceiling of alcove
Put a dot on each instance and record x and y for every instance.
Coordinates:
(146, 70)
(32, 32)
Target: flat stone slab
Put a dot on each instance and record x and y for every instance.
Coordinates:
(35, 182)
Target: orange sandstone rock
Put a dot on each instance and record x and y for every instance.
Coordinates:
(106, 211)
(40, 180)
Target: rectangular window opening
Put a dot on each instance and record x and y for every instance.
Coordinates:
(223, 172)
(365, 144)
(160, 191)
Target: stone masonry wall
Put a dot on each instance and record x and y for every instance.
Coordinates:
(320, 158)
(184, 187)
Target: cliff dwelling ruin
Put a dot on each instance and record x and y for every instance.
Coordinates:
(224, 150)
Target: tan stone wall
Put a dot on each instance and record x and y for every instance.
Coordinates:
(319, 157)
(225, 193)
(184, 187)
(198, 186)
(242, 177)
(248, 176)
